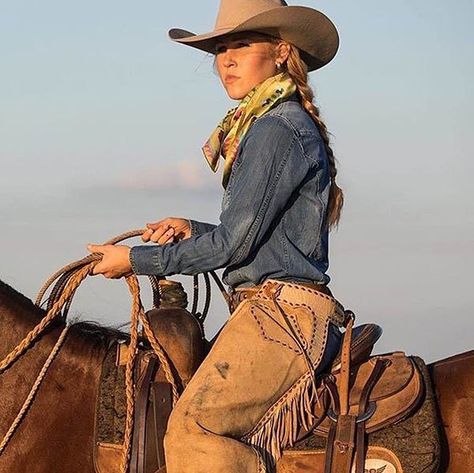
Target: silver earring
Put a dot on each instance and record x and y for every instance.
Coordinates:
(278, 65)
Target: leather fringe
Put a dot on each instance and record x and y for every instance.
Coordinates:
(278, 428)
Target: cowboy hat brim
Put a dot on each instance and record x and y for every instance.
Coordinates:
(312, 32)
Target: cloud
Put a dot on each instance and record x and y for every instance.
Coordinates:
(185, 174)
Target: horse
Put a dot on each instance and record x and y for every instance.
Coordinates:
(57, 432)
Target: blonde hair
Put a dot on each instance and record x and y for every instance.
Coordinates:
(298, 71)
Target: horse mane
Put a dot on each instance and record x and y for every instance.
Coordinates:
(87, 330)
(99, 334)
(19, 298)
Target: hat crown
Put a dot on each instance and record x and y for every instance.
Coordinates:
(234, 12)
(312, 32)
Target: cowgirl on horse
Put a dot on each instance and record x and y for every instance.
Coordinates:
(257, 383)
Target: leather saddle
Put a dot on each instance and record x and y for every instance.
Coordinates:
(181, 337)
(361, 394)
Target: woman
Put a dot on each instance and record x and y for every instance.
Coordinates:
(241, 407)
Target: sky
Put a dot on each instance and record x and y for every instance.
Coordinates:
(102, 119)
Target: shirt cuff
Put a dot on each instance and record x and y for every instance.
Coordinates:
(146, 260)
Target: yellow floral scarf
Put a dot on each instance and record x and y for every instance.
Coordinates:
(225, 139)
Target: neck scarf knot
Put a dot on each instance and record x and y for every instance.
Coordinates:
(225, 139)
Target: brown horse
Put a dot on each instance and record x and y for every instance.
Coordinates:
(56, 435)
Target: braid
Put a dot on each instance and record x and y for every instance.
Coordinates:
(298, 71)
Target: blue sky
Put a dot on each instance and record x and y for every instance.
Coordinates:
(102, 120)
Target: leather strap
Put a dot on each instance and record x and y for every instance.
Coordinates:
(363, 407)
(122, 354)
(346, 366)
(342, 434)
(137, 460)
(344, 444)
(162, 399)
(329, 448)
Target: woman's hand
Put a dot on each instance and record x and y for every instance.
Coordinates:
(168, 230)
(115, 260)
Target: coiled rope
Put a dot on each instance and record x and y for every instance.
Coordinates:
(69, 279)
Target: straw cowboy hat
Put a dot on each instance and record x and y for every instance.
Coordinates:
(309, 30)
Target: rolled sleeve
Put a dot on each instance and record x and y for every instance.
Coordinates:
(269, 167)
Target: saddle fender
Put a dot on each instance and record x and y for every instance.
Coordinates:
(181, 336)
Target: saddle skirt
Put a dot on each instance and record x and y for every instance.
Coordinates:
(400, 440)
(394, 396)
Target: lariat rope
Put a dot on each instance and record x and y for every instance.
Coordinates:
(76, 273)
(26, 405)
(68, 279)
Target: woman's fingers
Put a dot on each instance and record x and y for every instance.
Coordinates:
(97, 248)
(157, 225)
(146, 235)
(166, 237)
(156, 230)
(115, 261)
(162, 235)
(158, 233)
(168, 230)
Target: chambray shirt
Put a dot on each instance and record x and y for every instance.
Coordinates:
(273, 216)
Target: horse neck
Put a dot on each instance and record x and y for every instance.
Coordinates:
(70, 386)
(18, 315)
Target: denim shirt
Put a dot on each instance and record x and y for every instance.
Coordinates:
(273, 218)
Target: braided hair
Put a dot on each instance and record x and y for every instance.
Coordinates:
(298, 71)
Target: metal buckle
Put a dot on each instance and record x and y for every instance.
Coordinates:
(360, 418)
